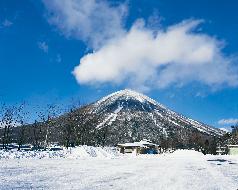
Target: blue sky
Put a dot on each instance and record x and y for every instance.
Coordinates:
(181, 53)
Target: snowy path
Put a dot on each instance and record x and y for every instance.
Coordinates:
(180, 170)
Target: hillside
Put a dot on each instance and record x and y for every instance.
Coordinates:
(126, 116)
(130, 104)
(123, 116)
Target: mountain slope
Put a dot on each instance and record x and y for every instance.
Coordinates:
(124, 116)
(131, 105)
(127, 116)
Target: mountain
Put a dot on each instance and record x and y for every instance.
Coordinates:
(132, 105)
(126, 116)
(123, 116)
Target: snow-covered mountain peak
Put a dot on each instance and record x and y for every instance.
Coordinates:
(128, 94)
(136, 106)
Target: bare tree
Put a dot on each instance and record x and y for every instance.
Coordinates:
(7, 122)
(21, 117)
(36, 136)
(2, 125)
(51, 113)
(69, 128)
(38, 129)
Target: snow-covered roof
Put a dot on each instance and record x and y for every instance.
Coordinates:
(233, 145)
(135, 144)
(142, 143)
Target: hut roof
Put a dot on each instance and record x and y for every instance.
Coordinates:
(142, 143)
(233, 145)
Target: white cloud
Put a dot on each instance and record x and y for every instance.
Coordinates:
(92, 21)
(142, 57)
(7, 23)
(145, 59)
(230, 121)
(43, 46)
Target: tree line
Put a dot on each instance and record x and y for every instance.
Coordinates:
(76, 126)
(80, 126)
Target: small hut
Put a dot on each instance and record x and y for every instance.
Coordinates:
(232, 149)
(142, 147)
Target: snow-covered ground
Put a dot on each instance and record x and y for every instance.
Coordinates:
(76, 153)
(182, 169)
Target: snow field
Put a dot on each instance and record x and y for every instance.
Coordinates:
(183, 169)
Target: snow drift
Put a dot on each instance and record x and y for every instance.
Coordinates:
(74, 153)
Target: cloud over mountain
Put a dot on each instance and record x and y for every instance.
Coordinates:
(177, 55)
(140, 57)
(91, 21)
